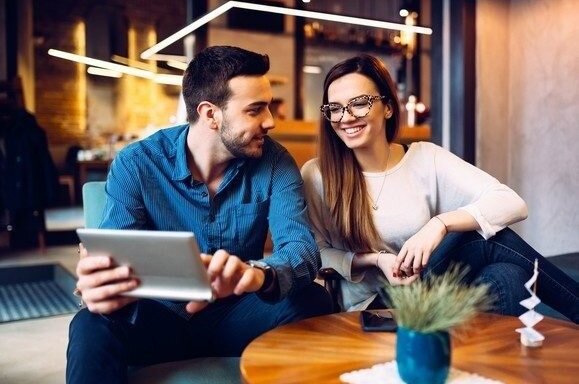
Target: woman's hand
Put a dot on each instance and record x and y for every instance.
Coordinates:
(385, 262)
(416, 251)
(101, 282)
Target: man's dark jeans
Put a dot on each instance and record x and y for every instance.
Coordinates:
(101, 348)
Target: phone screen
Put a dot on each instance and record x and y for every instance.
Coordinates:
(378, 321)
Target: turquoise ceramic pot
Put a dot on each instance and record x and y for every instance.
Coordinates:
(422, 358)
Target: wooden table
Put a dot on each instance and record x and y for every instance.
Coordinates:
(318, 350)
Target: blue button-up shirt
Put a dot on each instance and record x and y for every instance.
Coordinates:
(150, 186)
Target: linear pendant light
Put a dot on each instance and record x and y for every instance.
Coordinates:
(103, 72)
(280, 10)
(129, 70)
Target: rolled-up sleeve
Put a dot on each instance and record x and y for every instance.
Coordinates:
(461, 185)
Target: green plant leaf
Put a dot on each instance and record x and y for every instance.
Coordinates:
(438, 302)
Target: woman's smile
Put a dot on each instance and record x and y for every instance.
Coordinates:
(353, 131)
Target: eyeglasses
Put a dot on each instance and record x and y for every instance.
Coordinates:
(358, 107)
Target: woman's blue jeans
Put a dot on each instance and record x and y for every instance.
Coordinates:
(505, 262)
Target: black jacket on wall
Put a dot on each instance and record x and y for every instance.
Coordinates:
(28, 177)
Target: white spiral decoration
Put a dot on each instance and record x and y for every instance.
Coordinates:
(529, 336)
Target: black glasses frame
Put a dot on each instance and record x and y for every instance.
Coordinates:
(369, 99)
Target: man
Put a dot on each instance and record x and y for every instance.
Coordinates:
(223, 178)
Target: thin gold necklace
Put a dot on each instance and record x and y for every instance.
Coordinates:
(374, 203)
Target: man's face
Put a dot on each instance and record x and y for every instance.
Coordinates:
(246, 116)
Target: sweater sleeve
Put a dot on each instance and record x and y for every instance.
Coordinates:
(331, 252)
(461, 185)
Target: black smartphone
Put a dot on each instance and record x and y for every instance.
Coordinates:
(378, 321)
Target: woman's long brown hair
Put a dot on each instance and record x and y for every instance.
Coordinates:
(345, 190)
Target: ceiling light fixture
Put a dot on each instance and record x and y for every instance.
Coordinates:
(131, 63)
(312, 69)
(177, 64)
(156, 77)
(103, 72)
(187, 30)
(163, 78)
(101, 63)
(162, 57)
(147, 54)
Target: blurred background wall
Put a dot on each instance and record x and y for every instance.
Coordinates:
(528, 112)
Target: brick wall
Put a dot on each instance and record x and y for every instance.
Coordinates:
(65, 93)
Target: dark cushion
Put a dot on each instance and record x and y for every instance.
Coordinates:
(207, 370)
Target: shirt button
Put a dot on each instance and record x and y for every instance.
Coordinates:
(204, 194)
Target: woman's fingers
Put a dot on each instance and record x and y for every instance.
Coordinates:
(425, 258)
(418, 261)
(399, 260)
(406, 266)
(410, 261)
(409, 280)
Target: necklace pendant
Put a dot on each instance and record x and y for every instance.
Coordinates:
(374, 207)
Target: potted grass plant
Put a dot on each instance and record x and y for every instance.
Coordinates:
(426, 311)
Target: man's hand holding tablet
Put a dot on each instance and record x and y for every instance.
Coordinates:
(101, 283)
(127, 264)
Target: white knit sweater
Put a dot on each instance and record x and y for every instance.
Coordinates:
(429, 180)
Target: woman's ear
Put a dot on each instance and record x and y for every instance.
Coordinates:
(388, 111)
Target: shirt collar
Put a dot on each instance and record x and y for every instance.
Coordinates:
(181, 170)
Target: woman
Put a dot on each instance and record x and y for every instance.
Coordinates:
(383, 209)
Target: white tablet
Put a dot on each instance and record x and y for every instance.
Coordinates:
(168, 264)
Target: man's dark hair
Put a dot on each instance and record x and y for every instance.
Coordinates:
(208, 74)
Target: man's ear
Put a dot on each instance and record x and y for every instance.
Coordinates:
(208, 113)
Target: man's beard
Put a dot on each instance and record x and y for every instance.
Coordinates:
(236, 145)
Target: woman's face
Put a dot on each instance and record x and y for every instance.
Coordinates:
(359, 127)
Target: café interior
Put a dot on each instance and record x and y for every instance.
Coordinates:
(492, 81)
